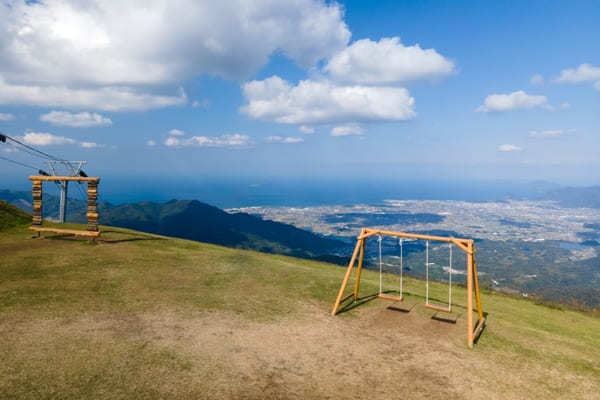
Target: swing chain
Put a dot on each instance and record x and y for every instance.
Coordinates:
(379, 240)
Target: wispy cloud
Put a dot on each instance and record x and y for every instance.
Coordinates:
(6, 117)
(281, 139)
(46, 139)
(546, 133)
(509, 148)
(204, 104)
(76, 120)
(227, 140)
(90, 145)
(346, 130)
(537, 80)
(307, 130)
(176, 132)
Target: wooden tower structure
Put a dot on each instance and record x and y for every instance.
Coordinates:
(92, 208)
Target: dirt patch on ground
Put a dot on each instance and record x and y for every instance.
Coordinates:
(375, 353)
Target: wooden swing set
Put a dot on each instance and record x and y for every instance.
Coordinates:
(466, 245)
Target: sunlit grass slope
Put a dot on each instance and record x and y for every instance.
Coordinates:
(143, 316)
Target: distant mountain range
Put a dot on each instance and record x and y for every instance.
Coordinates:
(575, 196)
(192, 219)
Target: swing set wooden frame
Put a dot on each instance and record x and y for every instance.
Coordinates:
(466, 245)
(92, 209)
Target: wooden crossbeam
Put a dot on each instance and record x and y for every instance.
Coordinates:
(64, 178)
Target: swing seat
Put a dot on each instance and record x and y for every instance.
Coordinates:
(390, 297)
(439, 308)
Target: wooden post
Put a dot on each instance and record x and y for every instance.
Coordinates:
(92, 210)
(36, 194)
(470, 295)
(360, 265)
(346, 277)
(477, 294)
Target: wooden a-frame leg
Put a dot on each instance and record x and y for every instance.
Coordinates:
(346, 277)
(477, 294)
(361, 257)
(470, 296)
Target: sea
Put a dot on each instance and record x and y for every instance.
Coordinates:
(296, 192)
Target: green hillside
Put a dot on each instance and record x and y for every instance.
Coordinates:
(194, 220)
(11, 216)
(145, 316)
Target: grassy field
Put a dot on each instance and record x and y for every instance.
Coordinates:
(143, 316)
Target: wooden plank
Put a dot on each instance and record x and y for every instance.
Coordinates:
(390, 297)
(64, 178)
(439, 308)
(65, 231)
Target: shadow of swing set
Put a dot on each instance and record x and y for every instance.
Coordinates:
(466, 245)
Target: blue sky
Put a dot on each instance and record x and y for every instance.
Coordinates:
(494, 90)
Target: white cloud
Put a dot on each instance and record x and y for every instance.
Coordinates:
(583, 73)
(6, 117)
(346, 130)
(509, 148)
(551, 133)
(79, 120)
(151, 143)
(90, 145)
(176, 132)
(45, 139)
(512, 101)
(228, 140)
(387, 61)
(307, 130)
(280, 139)
(546, 133)
(274, 99)
(204, 104)
(105, 98)
(70, 46)
(537, 80)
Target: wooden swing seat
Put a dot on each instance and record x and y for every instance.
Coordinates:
(439, 308)
(75, 232)
(390, 297)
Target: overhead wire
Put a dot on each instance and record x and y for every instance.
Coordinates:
(18, 163)
(40, 154)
